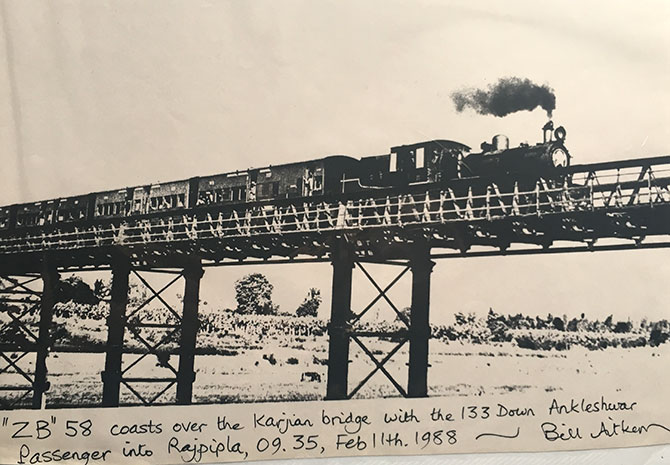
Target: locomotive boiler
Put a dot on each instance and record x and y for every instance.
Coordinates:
(497, 158)
(446, 161)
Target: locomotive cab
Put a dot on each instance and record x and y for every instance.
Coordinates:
(430, 161)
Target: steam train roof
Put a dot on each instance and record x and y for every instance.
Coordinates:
(328, 158)
(444, 143)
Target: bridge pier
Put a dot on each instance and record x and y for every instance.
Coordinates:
(116, 322)
(189, 330)
(345, 327)
(419, 330)
(50, 278)
(27, 330)
(338, 328)
(184, 326)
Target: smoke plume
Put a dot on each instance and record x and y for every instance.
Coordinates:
(507, 96)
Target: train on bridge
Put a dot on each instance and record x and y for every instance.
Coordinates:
(425, 164)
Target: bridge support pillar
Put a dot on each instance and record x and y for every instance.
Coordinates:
(50, 281)
(189, 330)
(419, 331)
(338, 328)
(116, 322)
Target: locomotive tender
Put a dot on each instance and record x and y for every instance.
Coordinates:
(430, 163)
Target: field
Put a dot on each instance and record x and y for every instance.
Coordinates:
(456, 370)
(255, 358)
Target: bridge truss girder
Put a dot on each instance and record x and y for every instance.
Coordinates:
(633, 225)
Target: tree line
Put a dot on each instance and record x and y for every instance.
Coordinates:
(253, 295)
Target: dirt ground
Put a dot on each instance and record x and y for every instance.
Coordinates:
(299, 372)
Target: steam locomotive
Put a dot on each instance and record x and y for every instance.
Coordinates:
(425, 164)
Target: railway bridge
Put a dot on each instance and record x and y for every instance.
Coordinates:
(622, 205)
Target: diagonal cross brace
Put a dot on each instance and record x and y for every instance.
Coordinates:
(14, 364)
(15, 283)
(151, 349)
(148, 402)
(8, 404)
(379, 366)
(155, 294)
(382, 293)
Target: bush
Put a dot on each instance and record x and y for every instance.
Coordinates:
(623, 327)
(76, 290)
(540, 342)
(658, 337)
(553, 332)
(310, 306)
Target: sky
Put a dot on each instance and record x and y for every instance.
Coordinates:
(102, 95)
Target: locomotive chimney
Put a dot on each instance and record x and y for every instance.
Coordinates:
(500, 143)
(547, 131)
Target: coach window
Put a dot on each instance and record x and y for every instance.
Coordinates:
(393, 162)
(239, 193)
(420, 158)
(318, 180)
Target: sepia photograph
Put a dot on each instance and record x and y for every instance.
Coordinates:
(216, 202)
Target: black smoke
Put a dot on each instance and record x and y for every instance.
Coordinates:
(507, 96)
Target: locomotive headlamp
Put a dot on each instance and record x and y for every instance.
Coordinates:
(560, 133)
(560, 158)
